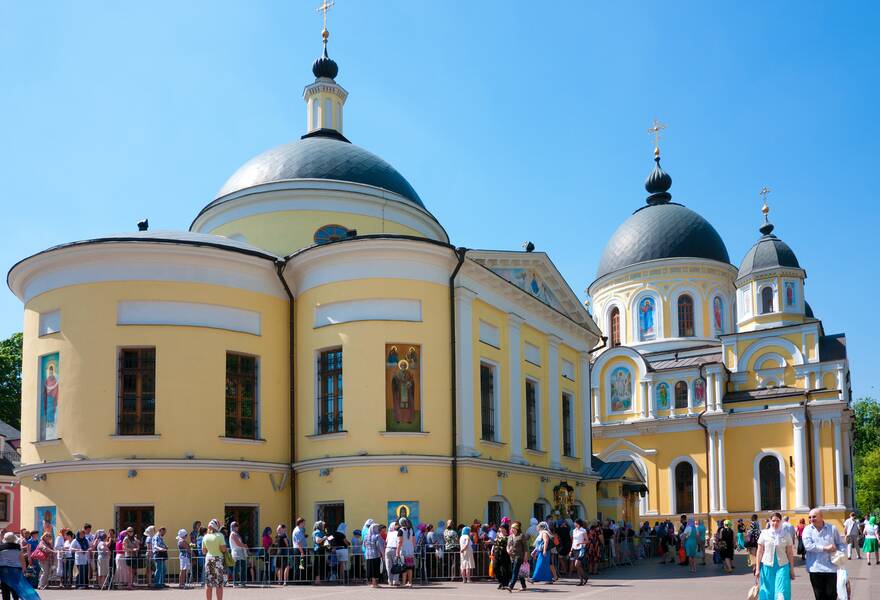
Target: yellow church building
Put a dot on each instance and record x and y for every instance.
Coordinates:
(313, 345)
(718, 383)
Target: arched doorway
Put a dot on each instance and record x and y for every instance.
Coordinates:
(771, 490)
(684, 487)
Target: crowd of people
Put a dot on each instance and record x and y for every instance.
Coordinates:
(399, 554)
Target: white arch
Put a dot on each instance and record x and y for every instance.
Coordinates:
(775, 356)
(728, 311)
(505, 507)
(617, 303)
(760, 297)
(673, 501)
(659, 328)
(767, 342)
(697, 298)
(639, 463)
(548, 508)
(756, 479)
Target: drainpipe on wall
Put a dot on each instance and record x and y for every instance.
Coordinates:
(460, 253)
(279, 267)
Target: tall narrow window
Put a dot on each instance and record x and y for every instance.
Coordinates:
(531, 416)
(685, 316)
(771, 490)
(567, 420)
(766, 300)
(494, 512)
(684, 488)
(330, 391)
(137, 392)
(487, 402)
(681, 395)
(137, 517)
(539, 510)
(241, 396)
(615, 327)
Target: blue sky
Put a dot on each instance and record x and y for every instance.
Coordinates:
(514, 120)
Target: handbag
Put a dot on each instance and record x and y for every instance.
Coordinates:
(753, 592)
(524, 570)
(38, 554)
(398, 567)
(228, 561)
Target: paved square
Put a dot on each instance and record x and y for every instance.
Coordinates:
(646, 581)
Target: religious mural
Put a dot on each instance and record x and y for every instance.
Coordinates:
(718, 314)
(528, 280)
(647, 330)
(789, 293)
(563, 499)
(403, 387)
(699, 391)
(399, 509)
(663, 396)
(621, 390)
(44, 519)
(48, 397)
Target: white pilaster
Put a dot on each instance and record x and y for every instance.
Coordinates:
(652, 399)
(722, 474)
(713, 474)
(555, 401)
(596, 411)
(710, 392)
(691, 398)
(515, 385)
(464, 367)
(819, 498)
(585, 393)
(719, 391)
(643, 408)
(838, 465)
(801, 479)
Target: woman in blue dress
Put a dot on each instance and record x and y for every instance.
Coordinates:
(689, 540)
(543, 544)
(774, 561)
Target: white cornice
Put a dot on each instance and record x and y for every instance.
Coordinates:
(610, 278)
(319, 195)
(482, 463)
(142, 261)
(330, 462)
(164, 464)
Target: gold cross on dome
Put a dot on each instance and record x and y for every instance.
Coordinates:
(655, 130)
(765, 209)
(325, 6)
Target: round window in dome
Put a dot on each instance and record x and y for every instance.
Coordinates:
(330, 233)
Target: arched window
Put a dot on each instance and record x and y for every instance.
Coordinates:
(766, 300)
(330, 233)
(771, 493)
(685, 316)
(684, 488)
(681, 395)
(615, 327)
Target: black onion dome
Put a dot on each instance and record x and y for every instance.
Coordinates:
(769, 252)
(662, 230)
(323, 154)
(658, 183)
(324, 66)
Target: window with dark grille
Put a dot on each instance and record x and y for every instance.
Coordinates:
(771, 492)
(685, 316)
(137, 517)
(241, 396)
(766, 300)
(681, 395)
(4, 507)
(487, 402)
(615, 327)
(137, 392)
(684, 488)
(330, 391)
(567, 420)
(531, 416)
(494, 512)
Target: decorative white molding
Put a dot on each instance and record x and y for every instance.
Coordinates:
(532, 353)
(673, 500)
(490, 334)
(331, 462)
(170, 464)
(368, 309)
(568, 370)
(50, 322)
(756, 479)
(191, 314)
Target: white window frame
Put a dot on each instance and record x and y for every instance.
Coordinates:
(258, 396)
(496, 399)
(659, 325)
(539, 438)
(673, 499)
(756, 479)
(316, 362)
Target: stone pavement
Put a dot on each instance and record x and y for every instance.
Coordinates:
(646, 581)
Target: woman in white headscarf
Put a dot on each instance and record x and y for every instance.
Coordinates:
(185, 555)
(775, 558)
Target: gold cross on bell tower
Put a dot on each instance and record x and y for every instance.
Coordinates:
(325, 6)
(655, 130)
(765, 209)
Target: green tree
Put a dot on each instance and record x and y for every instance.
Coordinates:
(868, 482)
(10, 380)
(867, 426)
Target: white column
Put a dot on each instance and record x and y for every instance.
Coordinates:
(719, 391)
(596, 411)
(585, 393)
(819, 498)
(713, 475)
(644, 399)
(515, 385)
(554, 400)
(464, 368)
(838, 465)
(710, 392)
(691, 398)
(652, 400)
(801, 481)
(722, 474)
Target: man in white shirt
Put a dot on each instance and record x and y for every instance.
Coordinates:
(851, 533)
(821, 540)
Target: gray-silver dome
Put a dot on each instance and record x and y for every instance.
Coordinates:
(662, 230)
(769, 252)
(320, 155)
